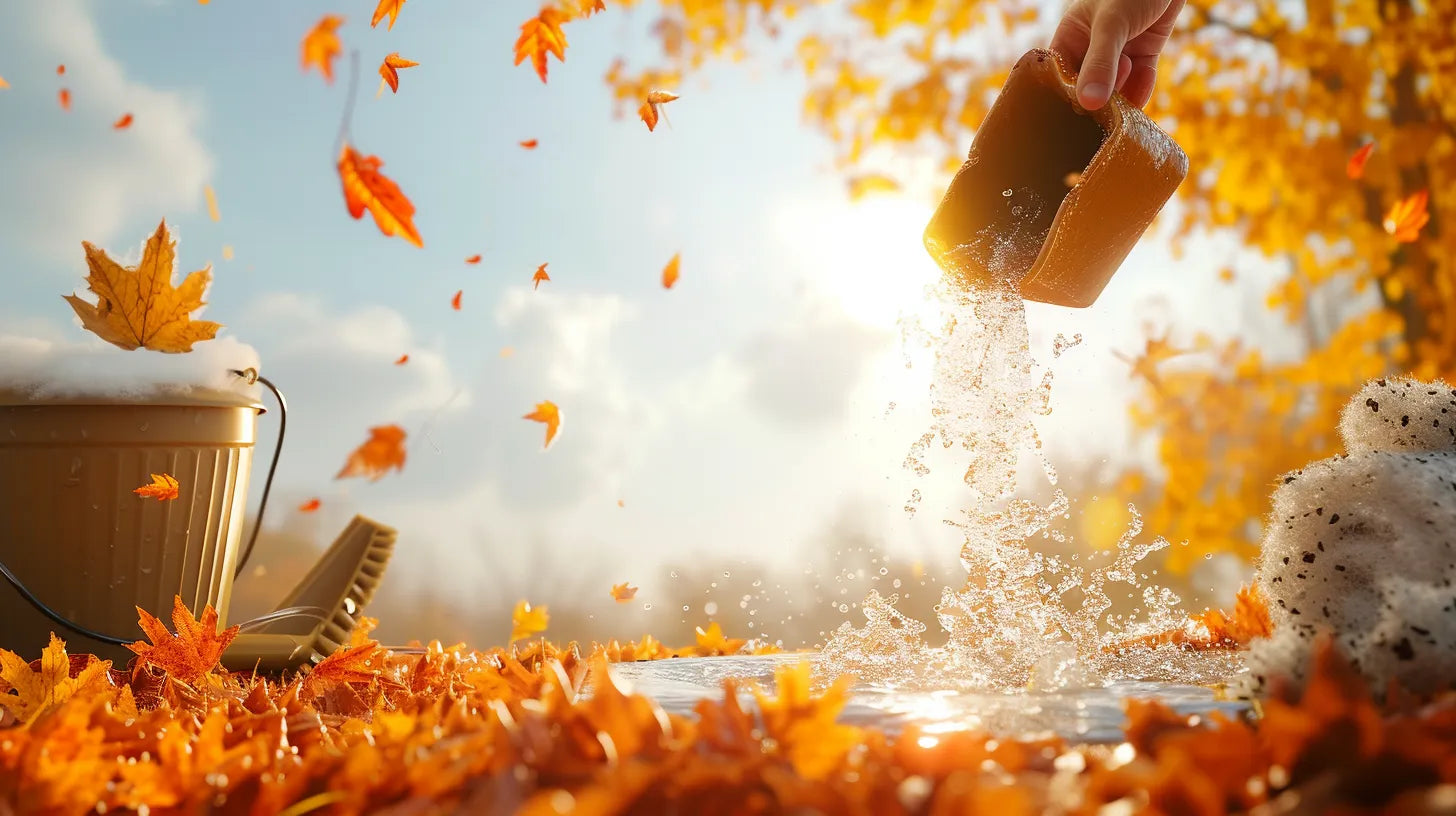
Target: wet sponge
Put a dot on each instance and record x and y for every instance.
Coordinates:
(1363, 545)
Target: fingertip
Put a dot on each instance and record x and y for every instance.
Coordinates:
(1093, 95)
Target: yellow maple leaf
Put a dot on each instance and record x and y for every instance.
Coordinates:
(164, 487)
(138, 307)
(623, 592)
(712, 642)
(35, 692)
(804, 725)
(871, 183)
(527, 620)
(546, 412)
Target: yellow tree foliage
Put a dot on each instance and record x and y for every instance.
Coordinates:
(1270, 101)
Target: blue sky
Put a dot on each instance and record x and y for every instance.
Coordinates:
(743, 412)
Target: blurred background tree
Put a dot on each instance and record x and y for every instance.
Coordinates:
(1270, 99)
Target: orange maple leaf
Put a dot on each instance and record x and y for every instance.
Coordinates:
(352, 664)
(390, 7)
(455, 301)
(623, 592)
(123, 123)
(321, 46)
(651, 110)
(3, 83)
(711, 641)
(310, 506)
(190, 653)
(527, 620)
(804, 724)
(586, 8)
(530, 144)
(383, 451)
(1407, 216)
(1356, 167)
(40, 690)
(163, 488)
(403, 358)
(670, 272)
(65, 97)
(539, 276)
(548, 413)
(1156, 350)
(473, 259)
(1216, 629)
(365, 188)
(389, 69)
(542, 35)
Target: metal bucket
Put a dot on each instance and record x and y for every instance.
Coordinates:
(82, 543)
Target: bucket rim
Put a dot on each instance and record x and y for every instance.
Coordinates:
(160, 396)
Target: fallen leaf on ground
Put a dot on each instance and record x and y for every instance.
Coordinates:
(473, 259)
(539, 276)
(390, 7)
(651, 110)
(383, 451)
(310, 506)
(623, 592)
(711, 641)
(403, 358)
(542, 35)
(548, 413)
(123, 123)
(670, 272)
(365, 188)
(1407, 216)
(137, 307)
(389, 69)
(38, 691)
(190, 653)
(455, 301)
(1356, 167)
(530, 144)
(64, 96)
(527, 620)
(321, 46)
(163, 488)
(871, 183)
(351, 664)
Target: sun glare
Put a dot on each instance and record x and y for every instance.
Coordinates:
(874, 265)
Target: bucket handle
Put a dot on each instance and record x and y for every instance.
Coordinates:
(252, 376)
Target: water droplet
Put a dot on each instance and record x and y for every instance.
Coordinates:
(647, 606)
(1006, 193)
(710, 608)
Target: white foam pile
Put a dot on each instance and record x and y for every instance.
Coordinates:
(1363, 545)
(37, 369)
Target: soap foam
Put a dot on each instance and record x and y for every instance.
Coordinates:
(32, 368)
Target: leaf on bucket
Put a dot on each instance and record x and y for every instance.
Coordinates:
(138, 307)
(383, 451)
(527, 620)
(164, 487)
(321, 46)
(39, 690)
(365, 188)
(190, 653)
(539, 276)
(623, 592)
(547, 412)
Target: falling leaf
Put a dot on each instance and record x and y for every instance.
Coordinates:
(455, 301)
(310, 506)
(507, 351)
(321, 46)
(3, 83)
(403, 358)
(548, 413)
(383, 451)
(651, 110)
(586, 8)
(212, 210)
(539, 276)
(1356, 167)
(65, 96)
(365, 188)
(41, 690)
(473, 259)
(390, 7)
(389, 69)
(190, 653)
(670, 272)
(621, 503)
(163, 488)
(527, 620)
(623, 592)
(1156, 350)
(542, 35)
(227, 252)
(123, 123)
(870, 184)
(1407, 216)
(60, 70)
(712, 642)
(137, 307)
(530, 144)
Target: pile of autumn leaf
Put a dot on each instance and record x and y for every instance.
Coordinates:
(544, 729)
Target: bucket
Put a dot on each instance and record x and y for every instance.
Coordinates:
(74, 534)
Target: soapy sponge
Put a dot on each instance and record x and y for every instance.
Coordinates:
(1363, 545)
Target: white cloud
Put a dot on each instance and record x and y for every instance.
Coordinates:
(84, 179)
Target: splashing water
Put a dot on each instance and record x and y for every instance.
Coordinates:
(1022, 617)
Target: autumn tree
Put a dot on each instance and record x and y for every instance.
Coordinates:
(1271, 100)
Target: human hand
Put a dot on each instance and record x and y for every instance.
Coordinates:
(1117, 43)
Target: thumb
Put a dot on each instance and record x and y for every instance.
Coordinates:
(1099, 68)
